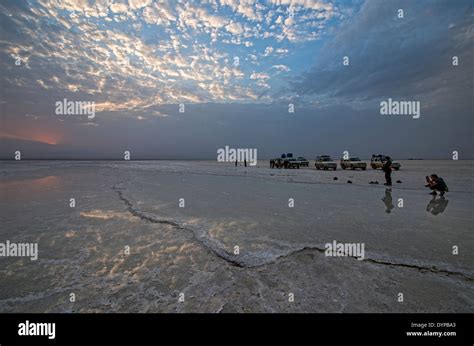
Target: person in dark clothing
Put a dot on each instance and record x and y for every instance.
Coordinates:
(436, 183)
(387, 168)
(272, 163)
(245, 162)
(235, 163)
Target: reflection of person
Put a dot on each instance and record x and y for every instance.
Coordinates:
(387, 168)
(387, 199)
(437, 205)
(436, 183)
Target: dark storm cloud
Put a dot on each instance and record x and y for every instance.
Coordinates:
(394, 57)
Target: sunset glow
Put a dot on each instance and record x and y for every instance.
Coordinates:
(46, 138)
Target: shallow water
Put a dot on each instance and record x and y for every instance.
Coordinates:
(192, 250)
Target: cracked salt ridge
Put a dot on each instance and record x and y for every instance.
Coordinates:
(213, 246)
(252, 261)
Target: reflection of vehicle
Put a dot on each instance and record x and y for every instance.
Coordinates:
(303, 161)
(377, 161)
(353, 163)
(325, 162)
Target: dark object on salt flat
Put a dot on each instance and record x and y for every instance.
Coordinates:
(335, 178)
(399, 181)
(349, 182)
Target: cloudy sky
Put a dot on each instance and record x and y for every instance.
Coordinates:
(235, 66)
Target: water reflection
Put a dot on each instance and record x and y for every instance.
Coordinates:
(437, 205)
(47, 182)
(387, 199)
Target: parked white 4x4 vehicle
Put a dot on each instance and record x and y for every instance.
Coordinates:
(377, 161)
(353, 163)
(325, 162)
(303, 161)
(286, 161)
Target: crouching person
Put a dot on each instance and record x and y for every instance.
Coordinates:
(436, 183)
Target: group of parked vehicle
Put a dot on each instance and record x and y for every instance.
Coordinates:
(325, 162)
(288, 161)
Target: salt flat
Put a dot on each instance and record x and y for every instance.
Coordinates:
(192, 250)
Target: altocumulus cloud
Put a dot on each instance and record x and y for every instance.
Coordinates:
(236, 66)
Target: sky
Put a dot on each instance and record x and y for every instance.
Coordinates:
(181, 79)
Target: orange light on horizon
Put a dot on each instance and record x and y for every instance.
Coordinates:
(46, 138)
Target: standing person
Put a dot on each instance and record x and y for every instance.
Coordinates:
(245, 162)
(272, 164)
(235, 163)
(387, 168)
